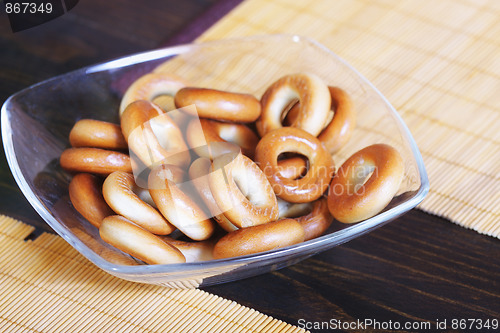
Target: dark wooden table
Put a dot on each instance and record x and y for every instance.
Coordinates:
(417, 269)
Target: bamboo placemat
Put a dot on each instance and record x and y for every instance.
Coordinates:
(437, 62)
(47, 286)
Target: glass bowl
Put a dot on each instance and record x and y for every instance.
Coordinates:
(36, 122)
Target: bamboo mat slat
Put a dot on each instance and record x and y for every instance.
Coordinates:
(47, 286)
(437, 62)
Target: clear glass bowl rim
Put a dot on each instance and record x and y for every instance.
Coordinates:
(319, 244)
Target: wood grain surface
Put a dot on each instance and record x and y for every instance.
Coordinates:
(417, 268)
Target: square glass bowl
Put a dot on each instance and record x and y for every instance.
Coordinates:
(36, 122)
